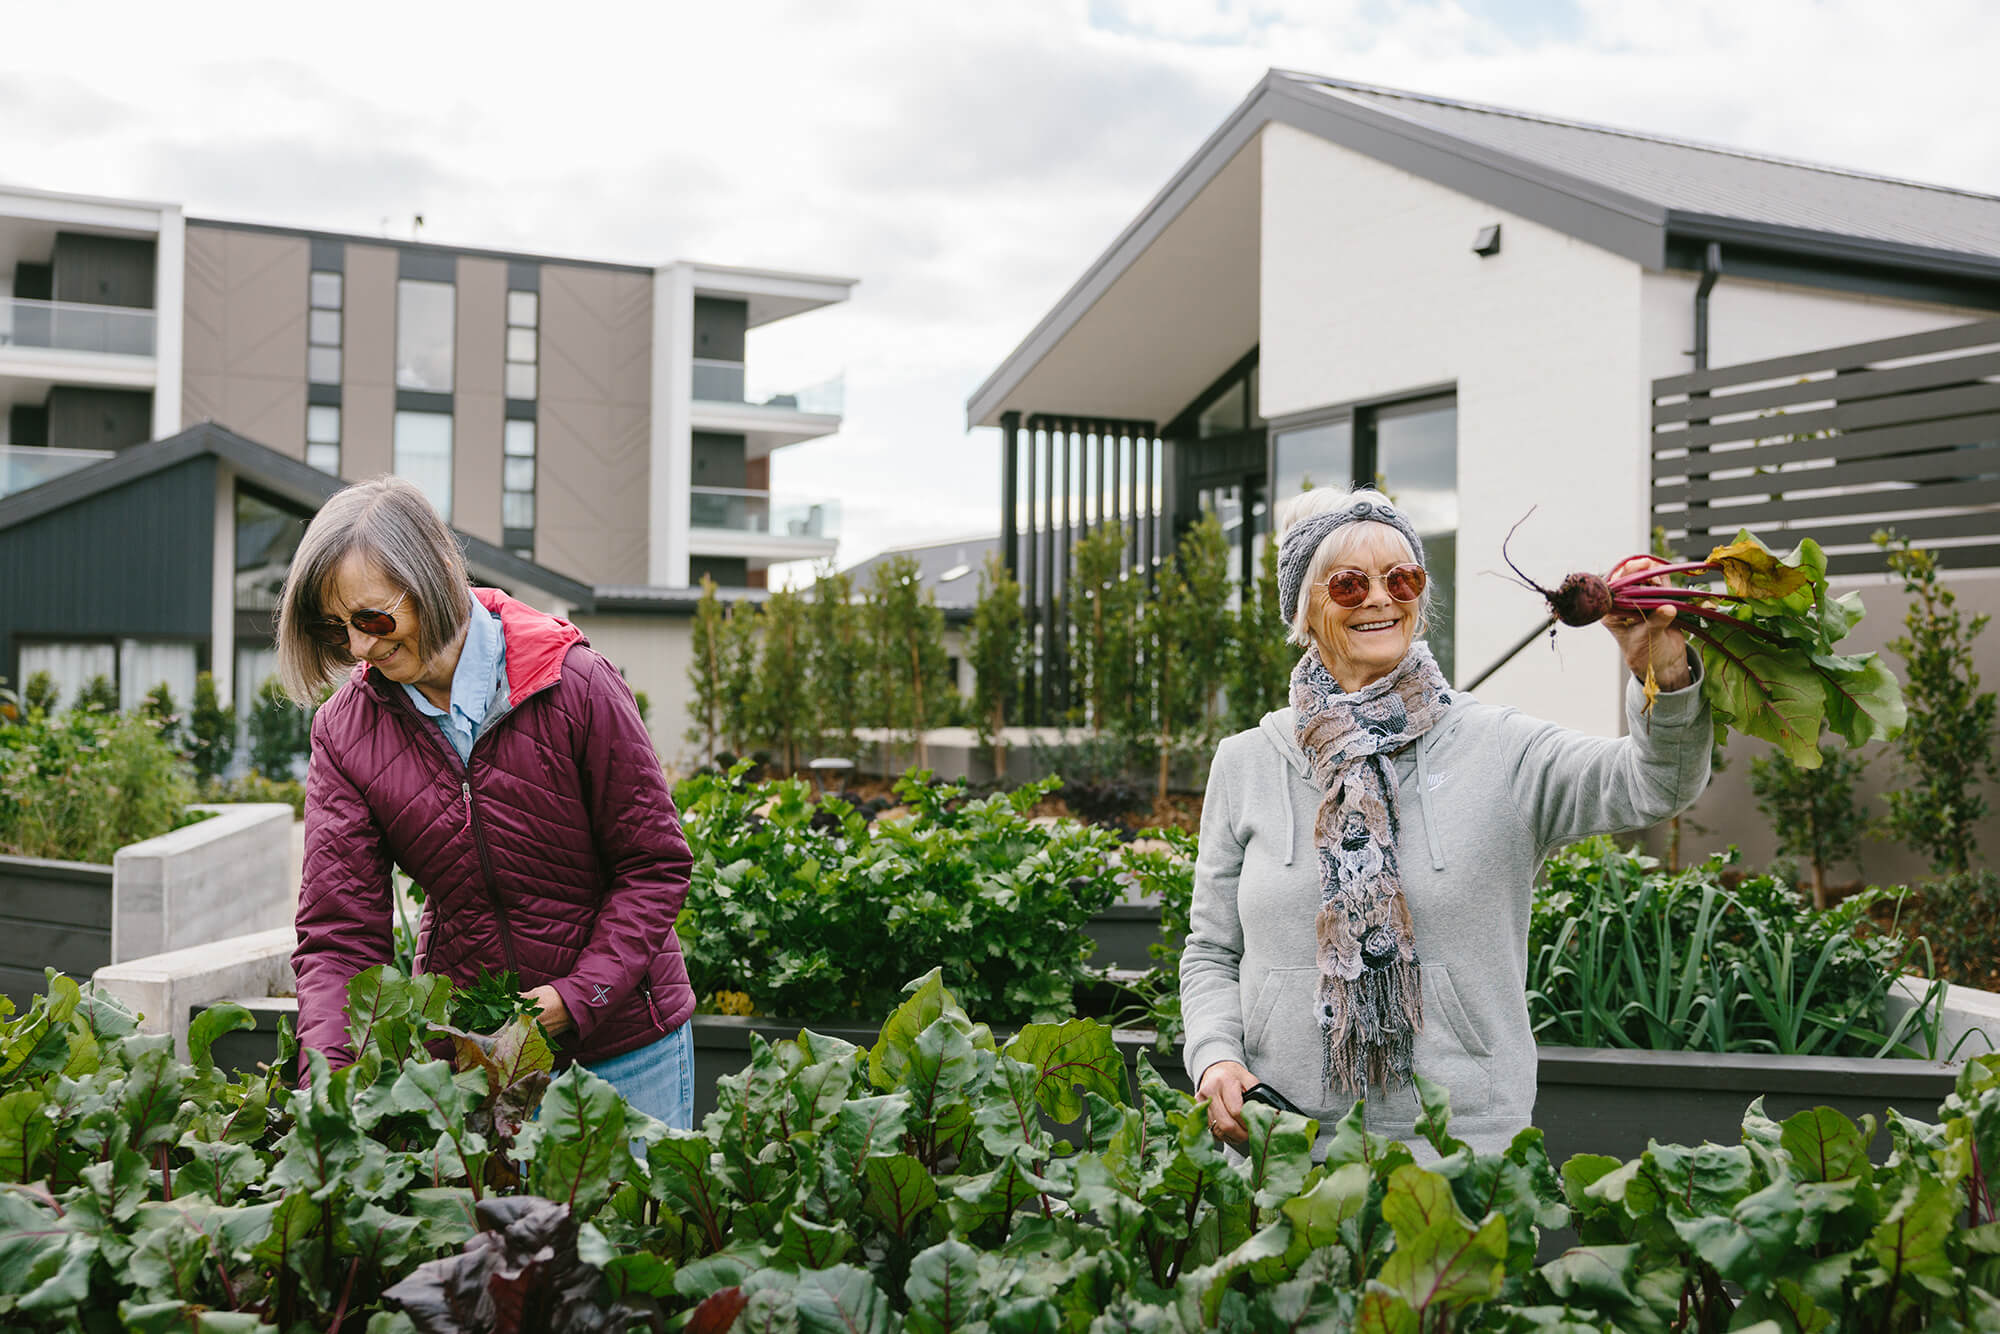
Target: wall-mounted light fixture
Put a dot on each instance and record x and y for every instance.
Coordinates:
(1488, 241)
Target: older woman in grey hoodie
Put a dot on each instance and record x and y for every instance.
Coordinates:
(1369, 854)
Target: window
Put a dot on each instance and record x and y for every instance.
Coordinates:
(423, 455)
(323, 329)
(1410, 451)
(523, 319)
(1321, 454)
(323, 437)
(134, 666)
(517, 481)
(426, 323)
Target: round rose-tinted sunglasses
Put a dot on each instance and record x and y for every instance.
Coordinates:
(332, 630)
(1349, 588)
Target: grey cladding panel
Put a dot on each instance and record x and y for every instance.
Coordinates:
(719, 460)
(720, 328)
(428, 265)
(99, 418)
(104, 270)
(329, 255)
(523, 276)
(132, 560)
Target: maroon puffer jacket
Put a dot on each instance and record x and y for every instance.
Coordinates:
(556, 852)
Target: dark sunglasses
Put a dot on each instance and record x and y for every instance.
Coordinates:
(1349, 588)
(332, 630)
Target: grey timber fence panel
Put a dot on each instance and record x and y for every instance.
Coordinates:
(52, 914)
(1899, 433)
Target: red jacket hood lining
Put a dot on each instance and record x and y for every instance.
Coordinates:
(536, 644)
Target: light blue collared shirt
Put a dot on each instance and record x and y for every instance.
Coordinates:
(472, 684)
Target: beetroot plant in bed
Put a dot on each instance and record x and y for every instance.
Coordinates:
(1766, 625)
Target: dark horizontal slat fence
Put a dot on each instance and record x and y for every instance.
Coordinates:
(52, 914)
(1899, 433)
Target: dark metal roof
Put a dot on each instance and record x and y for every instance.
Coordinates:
(949, 569)
(1707, 180)
(285, 478)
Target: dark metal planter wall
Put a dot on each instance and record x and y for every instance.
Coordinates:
(52, 914)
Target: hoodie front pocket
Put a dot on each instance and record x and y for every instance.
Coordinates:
(1285, 998)
(1449, 1050)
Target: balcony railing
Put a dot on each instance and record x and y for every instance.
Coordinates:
(723, 382)
(23, 466)
(737, 511)
(74, 327)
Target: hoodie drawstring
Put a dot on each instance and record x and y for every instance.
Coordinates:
(1289, 818)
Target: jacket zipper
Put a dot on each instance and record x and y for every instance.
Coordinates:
(487, 879)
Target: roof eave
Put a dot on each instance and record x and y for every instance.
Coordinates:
(1622, 223)
(1682, 225)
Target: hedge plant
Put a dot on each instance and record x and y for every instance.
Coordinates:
(816, 913)
(82, 785)
(913, 1184)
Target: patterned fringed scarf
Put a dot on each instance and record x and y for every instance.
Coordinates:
(1370, 997)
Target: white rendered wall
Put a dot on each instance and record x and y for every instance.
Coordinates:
(672, 465)
(169, 302)
(1749, 320)
(1370, 287)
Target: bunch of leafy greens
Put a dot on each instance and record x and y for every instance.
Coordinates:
(938, 1180)
(817, 914)
(1767, 639)
(492, 1001)
(1625, 954)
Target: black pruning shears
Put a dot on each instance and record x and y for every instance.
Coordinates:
(1270, 1097)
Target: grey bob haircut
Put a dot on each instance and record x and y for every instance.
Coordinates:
(394, 525)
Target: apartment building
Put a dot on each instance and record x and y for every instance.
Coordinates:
(585, 425)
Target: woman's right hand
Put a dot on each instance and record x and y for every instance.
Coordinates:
(1223, 1084)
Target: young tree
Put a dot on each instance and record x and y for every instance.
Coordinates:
(783, 691)
(211, 731)
(280, 732)
(1812, 811)
(998, 651)
(1261, 658)
(705, 671)
(909, 651)
(838, 662)
(1096, 593)
(1947, 745)
(740, 715)
(1205, 621)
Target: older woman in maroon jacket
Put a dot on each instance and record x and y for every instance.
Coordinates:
(482, 746)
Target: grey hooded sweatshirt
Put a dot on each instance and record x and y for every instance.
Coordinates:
(1485, 796)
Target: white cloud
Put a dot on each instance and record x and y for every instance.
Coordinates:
(966, 161)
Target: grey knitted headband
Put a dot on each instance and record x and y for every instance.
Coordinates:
(1302, 539)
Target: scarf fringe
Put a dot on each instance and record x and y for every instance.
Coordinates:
(1369, 1027)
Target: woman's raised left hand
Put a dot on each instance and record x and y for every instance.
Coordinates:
(555, 1015)
(1650, 640)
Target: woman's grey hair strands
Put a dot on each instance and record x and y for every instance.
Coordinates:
(395, 526)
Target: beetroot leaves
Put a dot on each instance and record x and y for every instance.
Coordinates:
(1767, 637)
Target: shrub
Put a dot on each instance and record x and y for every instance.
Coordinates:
(39, 694)
(819, 914)
(211, 731)
(1961, 920)
(79, 787)
(1947, 746)
(1622, 954)
(915, 1183)
(280, 733)
(254, 786)
(99, 696)
(1812, 811)
(999, 656)
(160, 709)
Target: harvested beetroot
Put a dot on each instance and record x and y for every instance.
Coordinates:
(1766, 637)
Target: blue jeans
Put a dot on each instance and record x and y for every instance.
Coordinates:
(657, 1079)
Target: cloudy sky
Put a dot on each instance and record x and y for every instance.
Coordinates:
(965, 160)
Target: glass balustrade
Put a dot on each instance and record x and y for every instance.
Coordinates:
(73, 327)
(738, 511)
(23, 466)
(722, 382)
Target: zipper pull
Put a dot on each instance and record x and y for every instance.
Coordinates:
(465, 786)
